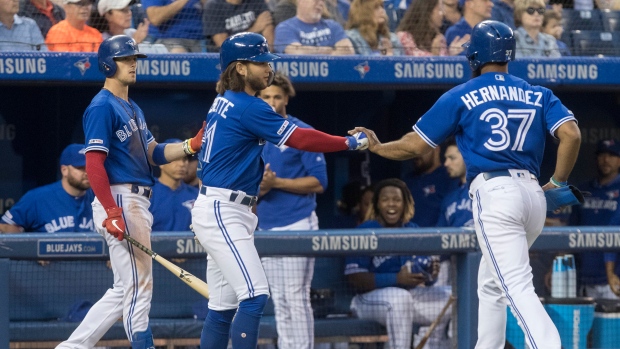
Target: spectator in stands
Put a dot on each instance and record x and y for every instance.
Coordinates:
(73, 34)
(291, 180)
(172, 199)
(63, 206)
(552, 25)
(531, 41)
(18, 33)
(429, 183)
(474, 12)
(390, 289)
(451, 13)
(308, 33)
(45, 12)
(334, 9)
(420, 30)
(114, 18)
(177, 24)
(503, 11)
(223, 18)
(598, 210)
(369, 31)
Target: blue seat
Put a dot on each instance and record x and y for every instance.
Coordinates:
(595, 43)
(582, 20)
(611, 20)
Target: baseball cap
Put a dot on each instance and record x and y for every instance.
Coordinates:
(106, 5)
(611, 146)
(73, 155)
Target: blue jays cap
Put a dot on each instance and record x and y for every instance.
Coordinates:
(611, 146)
(73, 155)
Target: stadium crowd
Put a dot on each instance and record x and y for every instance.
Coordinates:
(544, 28)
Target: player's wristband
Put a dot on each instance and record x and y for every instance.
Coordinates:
(187, 148)
(385, 280)
(556, 183)
(159, 158)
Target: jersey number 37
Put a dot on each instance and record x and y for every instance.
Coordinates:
(499, 126)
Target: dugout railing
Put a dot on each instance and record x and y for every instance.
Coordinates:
(38, 299)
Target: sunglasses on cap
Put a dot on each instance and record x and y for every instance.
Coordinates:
(530, 10)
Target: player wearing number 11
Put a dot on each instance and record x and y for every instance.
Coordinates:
(238, 126)
(500, 124)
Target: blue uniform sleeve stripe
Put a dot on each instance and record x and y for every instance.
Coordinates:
(559, 123)
(287, 134)
(96, 147)
(424, 137)
(355, 271)
(150, 140)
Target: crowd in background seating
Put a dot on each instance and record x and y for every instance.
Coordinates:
(545, 28)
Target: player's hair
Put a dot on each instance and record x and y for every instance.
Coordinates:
(361, 17)
(230, 80)
(416, 21)
(522, 5)
(374, 214)
(282, 81)
(449, 142)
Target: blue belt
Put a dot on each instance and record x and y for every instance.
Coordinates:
(500, 173)
(247, 200)
(146, 191)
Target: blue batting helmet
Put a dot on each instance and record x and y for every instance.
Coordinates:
(491, 42)
(249, 47)
(117, 46)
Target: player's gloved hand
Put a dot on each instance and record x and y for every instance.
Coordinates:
(192, 145)
(564, 196)
(357, 141)
(115, 224)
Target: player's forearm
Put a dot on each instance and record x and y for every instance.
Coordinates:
(316, 141)
(302, 185)
(568, 150)
(160, 14)
(10, 228)
(98, 178)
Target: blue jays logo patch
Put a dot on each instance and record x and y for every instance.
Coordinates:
(362, 69)
(83, 65)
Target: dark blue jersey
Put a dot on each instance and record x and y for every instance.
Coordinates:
(51, 209)
(428, 191)
(171, 209)
(456, 209)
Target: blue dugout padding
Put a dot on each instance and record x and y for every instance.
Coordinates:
(322, 243)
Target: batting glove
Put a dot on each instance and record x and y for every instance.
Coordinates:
(358, 141)
(115, 224)
(192, 145)
(564, 196)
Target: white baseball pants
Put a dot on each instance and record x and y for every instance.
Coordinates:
(226, 231)
(289, 282)
(130, 296)
(509, 214)
(398, 309)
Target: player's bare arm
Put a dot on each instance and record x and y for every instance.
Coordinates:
(568, 150)
(10, 228)
(409, 146)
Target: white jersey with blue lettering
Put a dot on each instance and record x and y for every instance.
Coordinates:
(238, 125)
(500, 123)
(499, 120)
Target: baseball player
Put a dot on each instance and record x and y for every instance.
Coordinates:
(238, 126)
(172, 200)
(290, 183)
(391, 288)
(456, 206)
(63, 206)
(120, 151)
(500, 123)
(601, 208)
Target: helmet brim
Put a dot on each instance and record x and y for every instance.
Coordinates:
(135, 53)
(264, 57)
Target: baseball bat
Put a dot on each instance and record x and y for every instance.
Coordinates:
(435, 323)
(187, 277)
